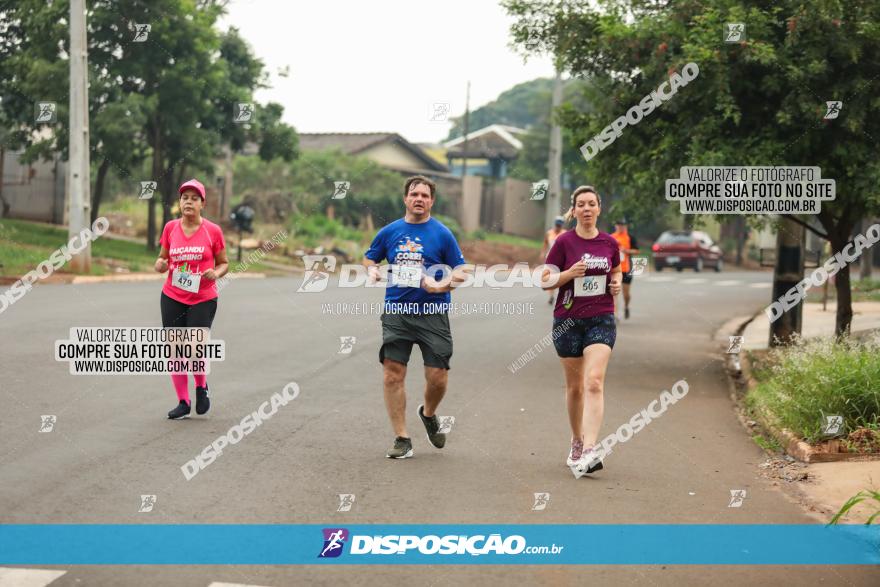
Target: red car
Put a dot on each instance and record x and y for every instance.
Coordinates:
(686, 248)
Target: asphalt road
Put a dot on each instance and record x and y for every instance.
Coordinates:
(111, 442)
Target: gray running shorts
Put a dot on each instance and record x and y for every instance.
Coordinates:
(430, 331)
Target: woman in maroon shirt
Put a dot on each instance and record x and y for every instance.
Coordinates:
(583, 321)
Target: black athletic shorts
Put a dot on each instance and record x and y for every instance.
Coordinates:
(179, 315)
(628, 277)
(571, 338)
(430, 331)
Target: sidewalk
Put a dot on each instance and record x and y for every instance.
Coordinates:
(866, 316)
(830, 485)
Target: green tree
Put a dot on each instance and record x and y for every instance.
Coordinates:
(757, 102)
(171, 96)
(529, 106)
(372, 191)
(308, 184)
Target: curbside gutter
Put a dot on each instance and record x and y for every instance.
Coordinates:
(117, 277)
(123, 277)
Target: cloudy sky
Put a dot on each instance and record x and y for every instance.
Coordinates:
(381, 66)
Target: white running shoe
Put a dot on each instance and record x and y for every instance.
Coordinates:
(590, 462)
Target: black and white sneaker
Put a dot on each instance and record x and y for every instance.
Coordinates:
(590, 462)
(203, 403)
(402, 449)
(181, 411)
(432, 427)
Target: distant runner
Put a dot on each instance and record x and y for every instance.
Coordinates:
(415, 308)
(197, 253)
(549, 238)
(628, 246)
(589, 264)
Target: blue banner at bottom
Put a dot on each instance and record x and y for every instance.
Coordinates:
(293, 544)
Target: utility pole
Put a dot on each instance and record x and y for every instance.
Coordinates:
(554, 162)
(79, 202)
(789, 270)
(467, 112)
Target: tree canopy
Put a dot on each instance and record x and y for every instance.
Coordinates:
(171, 92)
(759, 101)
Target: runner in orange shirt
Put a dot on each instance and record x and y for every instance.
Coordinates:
(550, 238)
(628, 246)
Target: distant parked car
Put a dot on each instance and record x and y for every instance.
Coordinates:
(686, 248)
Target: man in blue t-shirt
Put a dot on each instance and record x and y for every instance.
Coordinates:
(416, 304)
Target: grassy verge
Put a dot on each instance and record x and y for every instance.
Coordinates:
(866, 290)
(509, 239)
(863, 290)
(799, 386)
(317, 229)
(24, 245)
(134, 210)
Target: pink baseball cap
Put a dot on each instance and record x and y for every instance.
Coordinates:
(193, 184)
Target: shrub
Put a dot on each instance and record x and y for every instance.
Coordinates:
(814, 379)
(316, 227)
(479, 234)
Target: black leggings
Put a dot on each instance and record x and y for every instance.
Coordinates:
(179, 315)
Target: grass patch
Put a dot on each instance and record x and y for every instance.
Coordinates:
(509, 239)
(317, 229)
(135, 210)
(866, 290)
(863, 290)
(804, 383)
(24, 245)
(768, 444)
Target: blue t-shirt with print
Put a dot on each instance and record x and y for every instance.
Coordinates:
(410, 249)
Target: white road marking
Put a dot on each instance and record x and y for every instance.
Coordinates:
(216, 584)
(660, 279)
(761, 285)
(10, 577)
(694, 280)
(728, 282)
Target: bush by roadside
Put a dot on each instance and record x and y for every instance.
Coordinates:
(799, 386)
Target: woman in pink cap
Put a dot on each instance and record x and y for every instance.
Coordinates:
(194, 254)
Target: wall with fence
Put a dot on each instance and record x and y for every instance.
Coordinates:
(35, 191)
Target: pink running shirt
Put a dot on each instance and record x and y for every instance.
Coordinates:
(197, 252)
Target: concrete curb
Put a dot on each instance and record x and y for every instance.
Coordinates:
(63, 278)
(78, 279)
(126, 277)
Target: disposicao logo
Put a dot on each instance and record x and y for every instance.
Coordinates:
(334, 540)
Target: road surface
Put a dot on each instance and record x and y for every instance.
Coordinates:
(111, 442)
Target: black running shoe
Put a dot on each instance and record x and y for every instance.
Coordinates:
(181, 411)
(402, 449)
(203, 403)
(432, 426)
